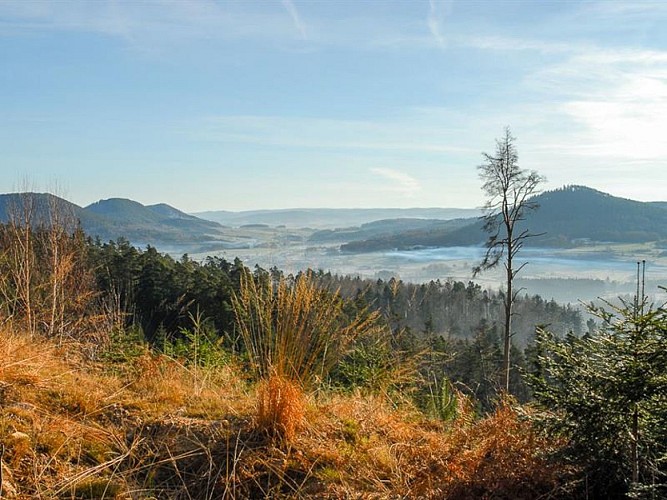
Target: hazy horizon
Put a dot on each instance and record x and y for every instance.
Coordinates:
(57, 191)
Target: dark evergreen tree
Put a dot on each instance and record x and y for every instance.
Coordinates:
(606, 393)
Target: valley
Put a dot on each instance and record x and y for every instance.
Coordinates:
(588, 244)
(566, 275)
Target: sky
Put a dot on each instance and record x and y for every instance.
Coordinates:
(241, 105)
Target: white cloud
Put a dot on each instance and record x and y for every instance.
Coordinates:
(399, 182)
(627, 122)
(614, 100)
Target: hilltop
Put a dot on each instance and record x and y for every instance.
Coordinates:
(113, 218)
(151, 223)
(569, 216)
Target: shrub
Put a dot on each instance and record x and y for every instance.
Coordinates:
(293, 329)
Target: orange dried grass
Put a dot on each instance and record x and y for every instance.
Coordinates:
(501, 455)
(280, 408)
(396, 452)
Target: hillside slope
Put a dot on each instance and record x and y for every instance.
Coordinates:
(138, 422)
(112, 219)
(567, 217)
(160, 222)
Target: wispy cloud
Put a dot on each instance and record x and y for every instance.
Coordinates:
(418, 131)
(506, 43)
(435, 22)
(400, 183)
(153, 24)
(615, 101)
(296, 18)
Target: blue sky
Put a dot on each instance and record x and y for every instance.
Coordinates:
(245, 105)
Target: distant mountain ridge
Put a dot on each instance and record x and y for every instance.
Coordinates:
(386, 228)
(330, 218)
(567, 216)
(116, 217)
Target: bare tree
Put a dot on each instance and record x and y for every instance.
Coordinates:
(509, 190)
(20, 249)
(46, 283)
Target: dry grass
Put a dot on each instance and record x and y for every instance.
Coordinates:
(294, 333)
(295, 330)
(158, 429)
(67, 422)
(51, 415)
(280, 411)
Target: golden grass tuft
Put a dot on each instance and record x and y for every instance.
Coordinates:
(294, 328)
(294, 333)
(280, 407)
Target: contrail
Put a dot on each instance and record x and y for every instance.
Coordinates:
(435, 24)
(294, 14)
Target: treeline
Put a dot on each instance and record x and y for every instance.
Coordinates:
(453, 308)
(160, 292)
(457, 324)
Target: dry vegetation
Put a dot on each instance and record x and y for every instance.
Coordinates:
(153, 428)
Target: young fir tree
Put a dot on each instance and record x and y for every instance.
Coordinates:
(606, 393)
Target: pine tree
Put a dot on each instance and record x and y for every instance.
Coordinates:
(606, 393)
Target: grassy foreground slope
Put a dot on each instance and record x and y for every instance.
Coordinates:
(143, 425)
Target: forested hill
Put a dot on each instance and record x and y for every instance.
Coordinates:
(567, 217)
(153, 222)
(111, 219)
(577, 212)
(41, 208)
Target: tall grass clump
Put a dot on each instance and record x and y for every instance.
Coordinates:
(294, 333)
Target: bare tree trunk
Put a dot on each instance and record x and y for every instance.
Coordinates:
(509, 191)
(508, 328)
(20, 226)
(45, 283)
(509, 299)
(61, 255)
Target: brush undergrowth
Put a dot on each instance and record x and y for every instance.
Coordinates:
(153, 427)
